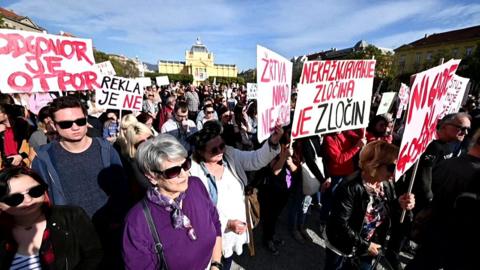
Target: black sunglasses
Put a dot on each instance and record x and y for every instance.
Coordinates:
(217, 149)
(17, 198)
(461, 128)
(175, 171)
(68, 124)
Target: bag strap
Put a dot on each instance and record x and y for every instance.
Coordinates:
(153, 231)
(313, 146)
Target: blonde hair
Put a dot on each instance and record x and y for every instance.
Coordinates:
(132, 137)
(376, 154)
(127, 120)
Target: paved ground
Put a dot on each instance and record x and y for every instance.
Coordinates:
(293, 256)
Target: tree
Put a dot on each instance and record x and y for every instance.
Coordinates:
(469, 68)
(128, 69)
(249, 76)
(384, 64)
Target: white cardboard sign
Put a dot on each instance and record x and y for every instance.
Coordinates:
(274, 82)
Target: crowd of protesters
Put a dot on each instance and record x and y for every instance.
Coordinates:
(174, 186)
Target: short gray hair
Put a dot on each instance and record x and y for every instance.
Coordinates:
(452, 118)
(155, 151)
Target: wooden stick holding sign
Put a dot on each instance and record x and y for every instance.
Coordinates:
(410, 187)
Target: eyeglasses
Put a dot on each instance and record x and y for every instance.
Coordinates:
(461, 128)
(17, 198)
(68, 124)
(217, 149)
(175, 171)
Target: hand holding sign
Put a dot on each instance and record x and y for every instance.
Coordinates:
(277, 134)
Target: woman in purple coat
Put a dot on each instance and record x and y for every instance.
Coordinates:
(185, 218)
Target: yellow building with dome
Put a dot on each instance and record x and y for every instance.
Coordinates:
(199, 63)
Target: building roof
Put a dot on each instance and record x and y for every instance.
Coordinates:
(11, 15)
(199, 47)
(445, 37)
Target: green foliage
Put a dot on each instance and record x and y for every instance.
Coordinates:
(248, 76)
(469, 68)
(182, 78)
(384, 65)
(227, 80)
(126, 70)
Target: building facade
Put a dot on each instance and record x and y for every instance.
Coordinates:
(12, 20)
(199, 63)
(427, 51)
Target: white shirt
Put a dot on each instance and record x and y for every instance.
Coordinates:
(231, 206)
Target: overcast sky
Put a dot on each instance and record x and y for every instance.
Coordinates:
(163, 30)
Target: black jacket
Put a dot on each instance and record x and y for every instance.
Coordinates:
(73, 237)
(349, 206)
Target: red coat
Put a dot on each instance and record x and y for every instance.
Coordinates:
(340, 150)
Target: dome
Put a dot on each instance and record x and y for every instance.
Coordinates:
(361, 44)
(199, 47)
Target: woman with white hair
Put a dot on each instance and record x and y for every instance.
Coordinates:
(177, 211)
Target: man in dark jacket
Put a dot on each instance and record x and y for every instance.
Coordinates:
(449, 231)
(84, 171)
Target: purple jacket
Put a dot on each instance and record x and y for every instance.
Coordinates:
(180, 252)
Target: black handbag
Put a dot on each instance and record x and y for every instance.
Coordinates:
(153, 230)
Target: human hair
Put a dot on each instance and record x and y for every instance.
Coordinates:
(143, 117)
(452, 118)
(14, 172)
(170, 100)
(375, 154)
(181, 105)
(132, 138)
(154, 152)
(377, 119)
(206, 107)
(64, 103)
(6, 99)
(252, 109)
(238, 115)
(210, 130)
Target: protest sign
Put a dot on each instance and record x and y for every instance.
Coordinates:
(428, 90)
(106, 68)
(274, 81)
(386, 102)
(333, 96)
(37, 62)
(455, 92)
(403, 95)
(162, 80)
(37, 101)
(251, 91)
(119, 93)
(144, 81)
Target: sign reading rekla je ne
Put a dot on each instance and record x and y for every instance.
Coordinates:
(119, 93)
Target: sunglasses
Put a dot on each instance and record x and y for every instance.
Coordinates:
(217, 149)
(17, 198)
(175, 171)
(68, 124)
(461, 128)
(210, 112)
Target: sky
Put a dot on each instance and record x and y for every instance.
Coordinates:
(231, 29)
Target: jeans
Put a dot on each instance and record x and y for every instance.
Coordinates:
(327, 197)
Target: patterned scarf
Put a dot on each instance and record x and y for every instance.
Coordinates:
(179, 219)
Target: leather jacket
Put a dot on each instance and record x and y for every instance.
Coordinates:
(349, 206)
